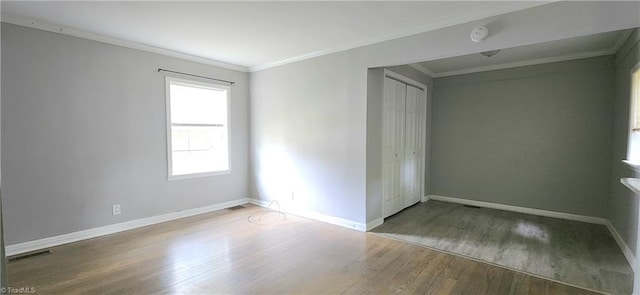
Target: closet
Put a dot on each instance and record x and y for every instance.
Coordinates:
(403, 124)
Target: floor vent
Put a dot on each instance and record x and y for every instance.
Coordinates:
(474, 207)
(29, 255)
(235, 207)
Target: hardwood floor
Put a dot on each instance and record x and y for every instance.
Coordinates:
(577, 253)
(222, 252)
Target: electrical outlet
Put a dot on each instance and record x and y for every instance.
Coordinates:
(116, 209)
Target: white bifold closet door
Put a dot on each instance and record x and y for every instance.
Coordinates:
(403, 116)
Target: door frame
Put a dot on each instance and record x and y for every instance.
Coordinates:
(423, 136)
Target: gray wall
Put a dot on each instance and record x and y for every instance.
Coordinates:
(623, 212)
(85, 121)
(83, 128)
(536, 136)
(339, 154)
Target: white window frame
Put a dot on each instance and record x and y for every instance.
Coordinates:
(634, 116)
(168, 81)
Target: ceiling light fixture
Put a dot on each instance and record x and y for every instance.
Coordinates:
(490, 53)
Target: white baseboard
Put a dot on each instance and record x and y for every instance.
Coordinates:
(628, 254)
(539, 212)
(316, 216)
(259, 202)
(623, 246)
(373, 224)
(425, 198)
(114, 228)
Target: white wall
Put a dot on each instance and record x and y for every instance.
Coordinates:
(304, 127)
(303, 84)
(83, 128)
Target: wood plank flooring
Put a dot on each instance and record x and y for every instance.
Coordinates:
(222, 252)
(577, 253)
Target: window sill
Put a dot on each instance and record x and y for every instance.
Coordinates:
(197, 175)
(633, 164)
(632, 183)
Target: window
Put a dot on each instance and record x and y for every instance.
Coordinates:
(197, 128)
(635, 98)
(633, 145)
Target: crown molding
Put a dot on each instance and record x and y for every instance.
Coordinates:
(442, 23)
(611, 51)
(525, 63)
(438, 24)
(44, 26)
(623, 37)
(422, 69)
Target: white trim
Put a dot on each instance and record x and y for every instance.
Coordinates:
(405, 80)
(632, 183)
(525, 63)
(623, 37)
(196, 175)
(632, 164)
(40, 25)
(170, 80)
(422, 69)
(538, 212)
(259, 202)
(623, 246)
(425, 198)
(373, 224)
(438, 24)
(627, 46)
(115, 228)
(316, 216)
(634, 99)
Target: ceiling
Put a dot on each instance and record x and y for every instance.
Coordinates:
(567, 49)
(249, 35)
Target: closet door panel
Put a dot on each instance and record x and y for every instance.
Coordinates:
(421, 110)
(393, 145)
(399, 151)
(411, 139)
(403, 118)
(388, 145)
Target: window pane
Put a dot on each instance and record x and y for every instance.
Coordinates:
(199, 149)
(198, 105)
(179, 139)
(635, 98)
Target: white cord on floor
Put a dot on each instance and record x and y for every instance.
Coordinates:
(256, 217)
